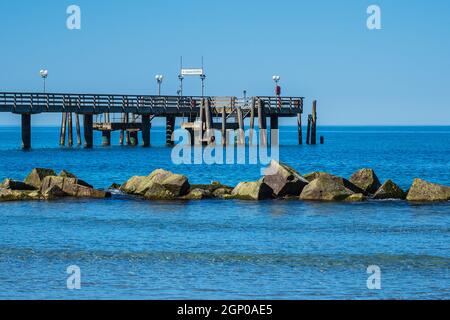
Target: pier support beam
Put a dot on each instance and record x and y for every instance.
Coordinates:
(170, 126)
(26, 131)
(224, 126)
(88, 131)
(273, 126)
(77, 125)
(241, 137)
(314, 123)
(106, 138)
(252, 122)
(308, 130)
(70, 127)
(62, 136)
(146, 125)
(262, 123)
(300, 129)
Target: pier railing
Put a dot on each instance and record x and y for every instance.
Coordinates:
(139, 104)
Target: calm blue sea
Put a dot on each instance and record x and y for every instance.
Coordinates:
(132, 249)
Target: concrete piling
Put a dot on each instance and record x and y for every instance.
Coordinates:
(88, 131)
(26, 131)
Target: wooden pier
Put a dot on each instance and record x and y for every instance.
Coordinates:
(131, 114)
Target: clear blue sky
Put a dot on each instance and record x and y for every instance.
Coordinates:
(322, 49)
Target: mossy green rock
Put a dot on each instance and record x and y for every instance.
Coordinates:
(37, 175)
(389, 190)
(159, 185)
(284, 180)
(425, 191)
(367, 180)
(342, 181)
(325, 188)
(257, 190)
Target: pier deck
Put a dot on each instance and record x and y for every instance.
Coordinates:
(146, 108)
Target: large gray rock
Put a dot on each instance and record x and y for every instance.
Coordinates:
(367, 180)
(425, 191)
(342, 181)
(257, 190)
(16, 185)
(198, 194)
(325, 188)
(284, 180)
(71, 187)
(37, 175)
(159, 185)
(389, 190)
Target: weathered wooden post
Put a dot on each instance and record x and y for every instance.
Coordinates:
(308, 130)
(314, 123)
(170, 125)
(70, 126)
(224, 126)
(146, 125)
(241, 138)
(322, 139)
(77, 124)
(300, 130)
(262, 122)
(26, 131)
(208, 119)
(127, 132)
(88, 130)
(252, 121)
(62, 137)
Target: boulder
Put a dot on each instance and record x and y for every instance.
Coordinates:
(222, 192)
(37, 175)
(114, 186)
(284, 180)
(18, 195)
(159, 185)
(258, 190)
(342, 181)
(71, 187)
(389, 190)
(325, 188)
(16, 185)
(425, 191)
(367, 180)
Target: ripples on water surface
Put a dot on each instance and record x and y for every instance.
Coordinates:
(129, 248)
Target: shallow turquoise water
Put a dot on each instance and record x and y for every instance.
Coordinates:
(128, 248)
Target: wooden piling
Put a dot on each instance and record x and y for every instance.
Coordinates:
(127, 132)
(300, 129)
(224, 126)
(308, 130)
(70, 127)
(322, 139)
(88, 130)
(241, 137)
(170, 126)
(314, 123)
(77, 125)
(62, 137)
(262, 122)
(146, 125)
(252, 121)
(26, 131)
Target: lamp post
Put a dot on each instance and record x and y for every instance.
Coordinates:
(44, 75)
(159, 79)
(181, 78)
(276, 79)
